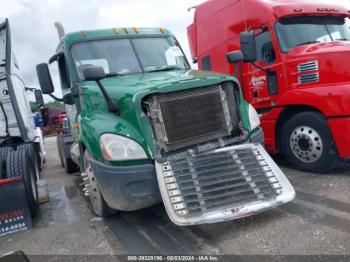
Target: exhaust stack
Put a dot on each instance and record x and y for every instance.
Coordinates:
(60, 30)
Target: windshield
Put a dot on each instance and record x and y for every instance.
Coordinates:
(129, 56)
(297, 31)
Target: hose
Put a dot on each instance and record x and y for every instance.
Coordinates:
(6, 119)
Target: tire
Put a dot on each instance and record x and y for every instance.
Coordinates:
(308, 144)
(29, 148)
(3, 174)
(99, 205)
(5, 150)
(20, 164)
(70, 166)
(59, 149)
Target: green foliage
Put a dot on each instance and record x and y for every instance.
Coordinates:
(34, 107)
(52, 104)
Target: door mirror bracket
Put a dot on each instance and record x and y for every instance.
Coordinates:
(96, 73)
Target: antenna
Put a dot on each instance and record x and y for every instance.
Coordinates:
(60, 30)
(244, 15)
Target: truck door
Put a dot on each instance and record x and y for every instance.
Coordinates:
(264, 84)
(66, 89)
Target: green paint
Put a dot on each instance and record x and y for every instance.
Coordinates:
(128, 91)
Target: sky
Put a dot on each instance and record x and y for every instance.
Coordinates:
(34, 37)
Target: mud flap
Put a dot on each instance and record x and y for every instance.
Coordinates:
(224, 184)
(14, 212)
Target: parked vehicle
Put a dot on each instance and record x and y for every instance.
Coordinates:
(51, 120)
(22, 149)
(144, 125)
(298, 75)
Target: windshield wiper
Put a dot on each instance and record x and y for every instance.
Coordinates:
(309, 42)
(342, 39)
(166, 68)
(114, 74)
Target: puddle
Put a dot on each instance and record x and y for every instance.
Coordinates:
(71, 191)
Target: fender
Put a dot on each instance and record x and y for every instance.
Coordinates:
(92, 126)
(332, 101)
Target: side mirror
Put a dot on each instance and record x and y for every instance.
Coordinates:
(247, 40)
(93, 73)
(39, 98)
(45, 79)
(234, 57)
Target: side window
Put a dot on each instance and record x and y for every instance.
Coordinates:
(264, 48)
(206, 63)
(62, 68)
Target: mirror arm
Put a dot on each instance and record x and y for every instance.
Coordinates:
(56, 98)
(111, 106)
(237, 64)
(261, 68)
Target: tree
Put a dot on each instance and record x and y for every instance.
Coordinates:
(52, 104)
(55, 104)
(34, 107)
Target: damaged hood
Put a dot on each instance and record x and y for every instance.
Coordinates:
(128, 92)
(121, 87)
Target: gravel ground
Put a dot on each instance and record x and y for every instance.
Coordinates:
(316, 222)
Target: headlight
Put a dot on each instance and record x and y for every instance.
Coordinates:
(120, 148)
(254, 119)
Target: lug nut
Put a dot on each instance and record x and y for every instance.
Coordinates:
(83, 174)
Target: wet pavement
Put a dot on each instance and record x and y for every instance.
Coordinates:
(316, 222)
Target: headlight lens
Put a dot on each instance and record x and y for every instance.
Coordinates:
(120, 148)
(254, 119)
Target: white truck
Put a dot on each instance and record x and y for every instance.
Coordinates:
(22, 149)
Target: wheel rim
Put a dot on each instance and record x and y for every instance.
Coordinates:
(93, 187)
(306, 144)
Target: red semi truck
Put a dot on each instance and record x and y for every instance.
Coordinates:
(298, 75)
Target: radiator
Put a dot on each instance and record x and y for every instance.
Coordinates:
(189, 117)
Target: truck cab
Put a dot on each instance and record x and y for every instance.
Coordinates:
(297, 78)
(144, 128)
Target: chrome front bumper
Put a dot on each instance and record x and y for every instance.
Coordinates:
(220, 185)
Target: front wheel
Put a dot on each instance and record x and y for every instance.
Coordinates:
(308, 143)
(99, 205)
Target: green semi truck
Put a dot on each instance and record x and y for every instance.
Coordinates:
(143, 127)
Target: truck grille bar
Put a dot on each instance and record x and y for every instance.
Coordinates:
(217, 183)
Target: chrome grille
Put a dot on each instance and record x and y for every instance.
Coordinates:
(200, 183)
(309, 78)
(309, 66)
